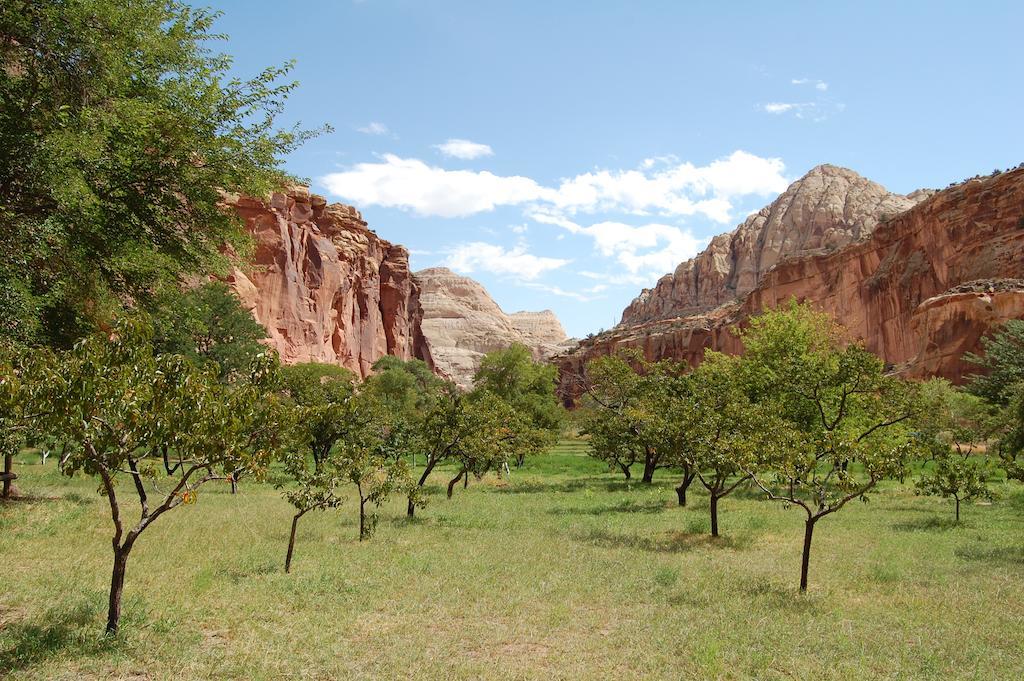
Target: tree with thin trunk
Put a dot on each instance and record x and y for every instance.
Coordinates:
(114, 402)
(842, 425)
(954, 426)
(624, 415)
(22, 405)
(370, 457)
(726, 429)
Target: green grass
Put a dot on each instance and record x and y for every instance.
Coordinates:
(566, 572)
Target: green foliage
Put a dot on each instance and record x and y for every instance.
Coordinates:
(370, 457)
(119, 129)
(113, 401)
(406, 387)
(842, 424)
(959, 476)
(1002, 360)
(208, 325)
(525, 385)
(320, 393)
(627, 412)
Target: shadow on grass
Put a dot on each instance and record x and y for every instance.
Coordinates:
(593, 482)
(75, 631)
(664, 542)
(932, 522)
(1005, 555)
(782, 596)
(625, 506)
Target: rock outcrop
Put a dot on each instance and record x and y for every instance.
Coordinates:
(462, 323)
(826, 209)
(327, 288)
(919, 291)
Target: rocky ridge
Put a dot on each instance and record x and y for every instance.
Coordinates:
(324, 285)
(826, 209)
(461, 323)
(919, 289)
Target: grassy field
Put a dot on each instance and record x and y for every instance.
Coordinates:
(564, 572)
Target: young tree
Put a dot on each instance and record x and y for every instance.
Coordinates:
(21, 406)
(119, 129)
(114, 400)
(370, 457)
(320, 392)
(624, 417)
(726, 430)
(954, 425)
(843, 425)
(208, 325)
(527, 386)
(1002, 360)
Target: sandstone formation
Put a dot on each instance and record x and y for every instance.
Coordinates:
(919, 291)
(326, 287)
(461, 323)
(826, 209)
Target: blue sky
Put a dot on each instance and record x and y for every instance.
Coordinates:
(566, 154)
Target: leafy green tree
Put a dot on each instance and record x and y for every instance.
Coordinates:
(958, 476)
(726, 431)
(406, 387)
(843, 425)
(1002, 360)
(22, 406)
(208, 325)
(527, 386)
(113, 401)
(370, 457)
(1011, 439)
(954, 426)
(120, 128)
(320, 393)
(493, 434)
(624, 418)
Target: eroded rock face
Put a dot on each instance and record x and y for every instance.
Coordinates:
(462, 323)
(826, 209)
(327, 288)
(920, 291)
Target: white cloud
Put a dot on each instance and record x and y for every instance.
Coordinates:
(411, 184)
(818, 84)
(519, 229)
(676, 189)
(464, 149)
(641, 250)
(584, 295)
(374, 128)
(515, 262)
(780, 107)
(814, 111)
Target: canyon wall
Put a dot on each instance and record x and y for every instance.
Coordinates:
(462, 323)
(325, 286)
(919, 291)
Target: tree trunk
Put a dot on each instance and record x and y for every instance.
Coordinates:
(454, 481)
(683, 486)
(650, 462)
(291, 543)
(957, 507)
(8, 474)
(808, 534)
(116, 588)
(625, 471)
(465, 482)
(234, 484)
(431, 462)
(362, 519)
(714, 515)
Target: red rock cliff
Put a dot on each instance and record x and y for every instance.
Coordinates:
(326, 287)
(920, 291)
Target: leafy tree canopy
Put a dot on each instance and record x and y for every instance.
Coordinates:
(208, 325)
(1002, 362)
(119, 128)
